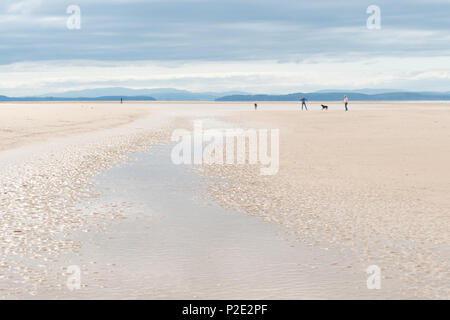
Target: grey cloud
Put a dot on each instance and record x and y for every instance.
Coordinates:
(220, 30)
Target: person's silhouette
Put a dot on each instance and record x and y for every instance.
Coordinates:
(303, 100)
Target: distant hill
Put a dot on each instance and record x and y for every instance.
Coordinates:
(337, 96)
(363, 90)
(106, 98)
(161, 94)
(169, 94)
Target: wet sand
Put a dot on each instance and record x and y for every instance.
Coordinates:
(180, 248)
(360, 188)
(44, 181)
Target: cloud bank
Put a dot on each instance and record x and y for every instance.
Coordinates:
(202, 45)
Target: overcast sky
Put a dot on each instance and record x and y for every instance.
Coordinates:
(273, 46)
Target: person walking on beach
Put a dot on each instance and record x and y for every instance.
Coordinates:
(256, 106)
(304, 103)
(121, 100)
(346, 103)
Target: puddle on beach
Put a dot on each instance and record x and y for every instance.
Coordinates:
(170, 245)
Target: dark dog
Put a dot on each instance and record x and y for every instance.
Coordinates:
(324, 107)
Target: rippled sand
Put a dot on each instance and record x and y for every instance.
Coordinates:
(375, 182)
(38, 201)
(370, 183)
(40, 189)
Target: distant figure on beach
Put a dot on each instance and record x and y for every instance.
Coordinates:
(121, 100)
(346, 103)
(256, 106)
(304, 102)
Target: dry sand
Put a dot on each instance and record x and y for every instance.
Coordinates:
(24, 123)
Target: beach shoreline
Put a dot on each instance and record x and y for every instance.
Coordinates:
(372, 182)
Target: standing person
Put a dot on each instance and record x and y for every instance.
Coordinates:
(346, 103)
(121, 100)
(256, 106)
(304, 102)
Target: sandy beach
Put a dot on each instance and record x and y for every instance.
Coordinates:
(367, 187)
(24, 123)
(371, 181)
